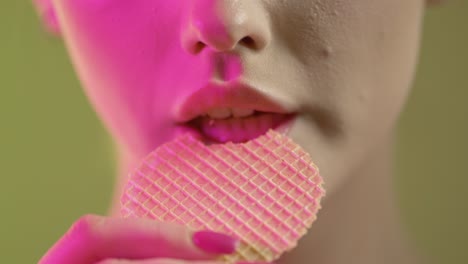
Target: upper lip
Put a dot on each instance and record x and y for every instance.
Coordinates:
(228, 95)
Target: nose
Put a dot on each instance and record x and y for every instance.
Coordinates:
(225, 25)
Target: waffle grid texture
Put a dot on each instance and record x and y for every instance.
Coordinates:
(266, 192)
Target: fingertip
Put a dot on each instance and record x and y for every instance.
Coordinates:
(215, 243)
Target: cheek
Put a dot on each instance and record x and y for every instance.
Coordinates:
(363, 81)
(388, 71)
(131, 63)
(102, 43)
(123, 54)
(372, 62)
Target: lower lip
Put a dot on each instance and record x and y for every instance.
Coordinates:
(239, 130)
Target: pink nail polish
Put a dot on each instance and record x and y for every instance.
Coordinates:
(215, 243)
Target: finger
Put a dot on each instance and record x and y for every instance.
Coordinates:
(156, 261)
(95, 238)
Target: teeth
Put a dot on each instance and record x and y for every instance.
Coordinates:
(242, 112)
(220, 113)
(223, 113)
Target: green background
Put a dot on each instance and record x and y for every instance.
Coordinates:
(57, 163)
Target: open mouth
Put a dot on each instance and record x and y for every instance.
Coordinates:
(222, 127)
(231, 112)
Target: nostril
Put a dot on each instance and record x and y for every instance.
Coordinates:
(249, 42)
(246, 41)
(198, 47)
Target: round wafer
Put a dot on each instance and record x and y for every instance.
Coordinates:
(266, 192)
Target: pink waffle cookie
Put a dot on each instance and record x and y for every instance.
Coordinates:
(266, 191)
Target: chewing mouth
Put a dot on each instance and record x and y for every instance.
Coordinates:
(237, 125)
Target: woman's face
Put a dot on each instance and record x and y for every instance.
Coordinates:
(237, 67)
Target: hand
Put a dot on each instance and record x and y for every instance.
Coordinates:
(105, 240)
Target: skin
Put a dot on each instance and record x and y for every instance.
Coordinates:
(345, 68)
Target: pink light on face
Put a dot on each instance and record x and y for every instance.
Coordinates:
(47, 14)
(135, 58)
(202, 29)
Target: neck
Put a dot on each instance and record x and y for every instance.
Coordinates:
(358, 223)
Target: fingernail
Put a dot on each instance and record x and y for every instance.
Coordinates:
(215, 243)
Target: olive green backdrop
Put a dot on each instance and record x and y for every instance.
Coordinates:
(56, 160)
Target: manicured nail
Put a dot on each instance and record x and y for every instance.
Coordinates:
(215, 243)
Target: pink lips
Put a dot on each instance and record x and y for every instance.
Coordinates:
(192, 111)
(232, 94)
